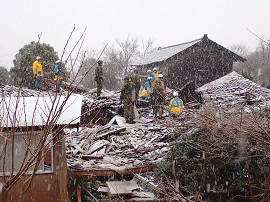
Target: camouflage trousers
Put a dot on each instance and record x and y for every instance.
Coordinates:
(129, 114)
(99, 88)
(157, 110)
(158, 105)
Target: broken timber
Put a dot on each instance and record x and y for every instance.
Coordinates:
(109, 172)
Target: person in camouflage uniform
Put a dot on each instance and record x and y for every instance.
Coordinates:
(99, 77)
(137, 81)
(127, 97)
(158, 97)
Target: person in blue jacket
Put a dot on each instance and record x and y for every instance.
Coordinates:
(146, 92)
(176, 105)
(152, 75)
(148, 85)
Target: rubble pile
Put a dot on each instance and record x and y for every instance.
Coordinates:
(234, 90)
(117, 146)
(99, 110)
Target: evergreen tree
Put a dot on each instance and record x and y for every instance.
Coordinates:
(21, 73)
(4, 76)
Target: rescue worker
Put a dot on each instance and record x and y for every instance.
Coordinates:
(127, 97)
(148, 85)
(176, 105)
(152, 75)
(37, 72)
(156, 73)
(158, 97)
(58, 76)
(99, 77)
(137, 81)
(147, 90)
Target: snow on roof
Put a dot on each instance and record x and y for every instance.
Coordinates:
(164, 53)
(24, 107)
(221, 81)
(13, 91)
(235, 89)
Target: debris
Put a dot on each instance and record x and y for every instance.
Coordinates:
(122, 187)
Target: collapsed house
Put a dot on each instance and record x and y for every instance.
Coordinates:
(234, 91)
(190, 65)
(105, 146)
(113, 148)
(109, 147)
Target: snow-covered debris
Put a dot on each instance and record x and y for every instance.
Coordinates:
(122, 147)
(235, 90)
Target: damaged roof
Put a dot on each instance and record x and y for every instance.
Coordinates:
(117, 147)
(234, 89)
(13, 91)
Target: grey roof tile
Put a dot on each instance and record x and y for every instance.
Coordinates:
(235, 89)
(162, 54)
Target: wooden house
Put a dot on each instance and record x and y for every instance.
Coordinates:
(190, 65)
(33, 165)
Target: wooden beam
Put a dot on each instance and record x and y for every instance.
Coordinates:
(101, 173)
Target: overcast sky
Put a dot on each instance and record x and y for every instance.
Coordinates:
(168, 22)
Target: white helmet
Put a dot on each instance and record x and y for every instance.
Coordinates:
(160, 76)
(175, 93)
(149, 78)
(38, 58)
(149, 70)
(57, 61)
(155, 69)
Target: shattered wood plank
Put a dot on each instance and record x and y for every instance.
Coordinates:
(97, 145)
(146, 182)
(96, 155)
(101, 151)
(88, 157)
(122, 187)
(106, 134)
(141, 199)
(103, 128)
(103, 189)
(145, 150)
(109, 172)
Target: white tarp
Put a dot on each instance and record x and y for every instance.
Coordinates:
(37, 111)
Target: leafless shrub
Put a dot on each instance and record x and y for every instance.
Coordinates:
(221, 155)
(25, 160)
